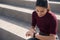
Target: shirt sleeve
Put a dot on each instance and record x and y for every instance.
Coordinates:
(53, 26)
(33, 19)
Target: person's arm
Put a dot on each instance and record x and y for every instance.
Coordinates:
(33, 24)
(51, 37)
(32, 28)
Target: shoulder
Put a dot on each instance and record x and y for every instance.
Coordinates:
(52, 15)
(34, 13)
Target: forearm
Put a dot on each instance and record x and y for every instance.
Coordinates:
(33, 28)
(43, 37)
(46, 37)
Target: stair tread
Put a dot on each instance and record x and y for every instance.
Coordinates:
(16, 8)
(18, 30)
(26, 10)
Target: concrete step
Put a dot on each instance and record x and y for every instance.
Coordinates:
(0, 10)
(20, 3)
(17, 12)
(12, 29)
(55, 6)
(0, 1)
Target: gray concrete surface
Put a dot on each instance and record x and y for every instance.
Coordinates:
(1, 10)
(30, 4)
(55, 8)
(16, 22)
(17, 15)
(27, 4)
(5, 35)
(0, 1)
(13, 26)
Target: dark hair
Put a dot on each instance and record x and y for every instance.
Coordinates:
(42, 3)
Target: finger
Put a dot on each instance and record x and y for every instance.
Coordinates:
(27, 35)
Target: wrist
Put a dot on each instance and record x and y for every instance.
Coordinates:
(34, 35)
(32, 30)
(37, 36)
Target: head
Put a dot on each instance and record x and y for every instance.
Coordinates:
(41, 7)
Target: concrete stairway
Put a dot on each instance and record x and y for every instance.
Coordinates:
(16, 12)
(55, 6)
(21, 10)
(11, 29)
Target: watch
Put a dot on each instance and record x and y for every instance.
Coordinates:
(34, 35)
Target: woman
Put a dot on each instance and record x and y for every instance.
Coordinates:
(45, 21)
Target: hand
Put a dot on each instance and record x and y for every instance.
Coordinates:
(29, 33)
(37, 36)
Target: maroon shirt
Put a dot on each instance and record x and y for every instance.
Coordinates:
(46, 24)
